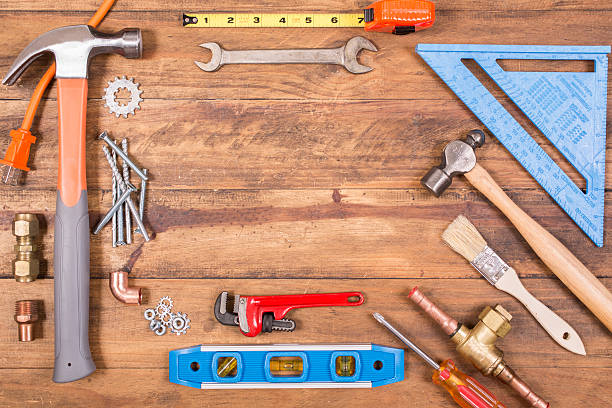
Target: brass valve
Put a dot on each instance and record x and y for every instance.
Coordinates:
(26, 263)
(477, 344)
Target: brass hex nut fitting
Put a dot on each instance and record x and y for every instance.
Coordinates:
(26, 264)
(498, 320)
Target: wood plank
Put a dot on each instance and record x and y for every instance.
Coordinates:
(296, 144)
(150, 388)
(167, 69)
(120, 338)
(306, 233)
(88, 6)
(124, 348)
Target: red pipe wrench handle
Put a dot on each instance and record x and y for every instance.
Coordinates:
(253, 307)
(71, 252)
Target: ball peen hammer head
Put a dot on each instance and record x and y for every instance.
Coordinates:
(458, 157)
(73, 46)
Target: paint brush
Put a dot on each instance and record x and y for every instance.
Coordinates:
(463, 237)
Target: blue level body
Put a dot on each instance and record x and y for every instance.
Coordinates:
(257, 366)
(569, 108)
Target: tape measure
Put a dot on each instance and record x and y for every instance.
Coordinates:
(392, 16)
(253, 20)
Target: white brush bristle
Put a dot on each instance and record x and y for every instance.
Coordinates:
(463, 237)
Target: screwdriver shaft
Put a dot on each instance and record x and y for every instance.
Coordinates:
(410, 344)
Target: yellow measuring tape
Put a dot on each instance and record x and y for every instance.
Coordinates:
(246, 20)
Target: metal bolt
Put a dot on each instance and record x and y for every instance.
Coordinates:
(104, 136)
(141, 201)
(115, 194)
(124, 187)
(126, 178)
(111, 213)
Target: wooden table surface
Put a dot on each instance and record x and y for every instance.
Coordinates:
(293, 179)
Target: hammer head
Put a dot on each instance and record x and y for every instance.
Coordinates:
(73, 46)
(458, 157)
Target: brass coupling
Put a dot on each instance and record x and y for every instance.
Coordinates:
(26, 264)
(478, 344)
(26, 314)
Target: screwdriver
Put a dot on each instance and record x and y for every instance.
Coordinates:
(466, 391)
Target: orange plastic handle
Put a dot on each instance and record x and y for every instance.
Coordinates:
(466, 391)
(72, 108)
(400, 16)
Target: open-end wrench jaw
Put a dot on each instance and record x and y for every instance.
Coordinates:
(215, 59)
(222, 315)
(352, 49)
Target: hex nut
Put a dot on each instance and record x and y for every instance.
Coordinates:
(498, 320)
(25, 225)
(26, 270)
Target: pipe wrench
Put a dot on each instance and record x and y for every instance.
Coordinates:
(256, 314)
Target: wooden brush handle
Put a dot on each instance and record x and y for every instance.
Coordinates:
(551, 251)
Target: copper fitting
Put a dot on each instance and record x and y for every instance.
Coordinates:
(509, 377)
(26, 263)
(119, 286)
(447, 323)
(26, 314)
(478, 344)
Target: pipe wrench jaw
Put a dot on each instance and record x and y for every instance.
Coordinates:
(222, 314)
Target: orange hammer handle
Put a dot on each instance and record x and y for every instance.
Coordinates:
(72, 106)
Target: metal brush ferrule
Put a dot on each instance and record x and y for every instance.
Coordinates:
(490, 265)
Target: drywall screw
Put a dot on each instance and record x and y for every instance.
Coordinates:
(104, 136)
(126, 178)
(115, 194)
(111, 213)
(26, 314)
(124, 187)
(141, 202)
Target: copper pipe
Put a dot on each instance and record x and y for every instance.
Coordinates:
(119, 286)
(447, 323)
(509, 377)
(26, 314)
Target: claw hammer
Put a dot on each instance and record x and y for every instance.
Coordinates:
(73, 47)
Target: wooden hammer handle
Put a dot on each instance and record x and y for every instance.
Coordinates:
(551, 251)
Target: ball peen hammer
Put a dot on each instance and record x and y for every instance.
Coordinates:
(73, 47)
(459, 157)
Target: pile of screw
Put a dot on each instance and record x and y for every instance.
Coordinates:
(123, 208)
(162, 317)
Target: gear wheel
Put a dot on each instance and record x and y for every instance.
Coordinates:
(180, 324)
(111, 101)
(166, 301)
(166, 319)
(161, 310)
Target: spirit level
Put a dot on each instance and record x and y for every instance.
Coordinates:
(287, 366)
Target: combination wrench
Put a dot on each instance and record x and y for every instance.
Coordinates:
(345, 56)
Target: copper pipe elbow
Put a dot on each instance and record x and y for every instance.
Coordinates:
(447, 323)
(119, 287)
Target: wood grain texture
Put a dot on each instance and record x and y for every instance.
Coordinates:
(292, 179)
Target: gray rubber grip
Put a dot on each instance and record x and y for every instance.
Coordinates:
(71, 269)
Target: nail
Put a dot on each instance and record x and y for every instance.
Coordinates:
(114, 222)
(141, 201)
(104, 136)
(124, 187)
(113, 210)
(126, 178)
(120, 223)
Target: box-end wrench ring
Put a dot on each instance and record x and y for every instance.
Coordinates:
(345, 56)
